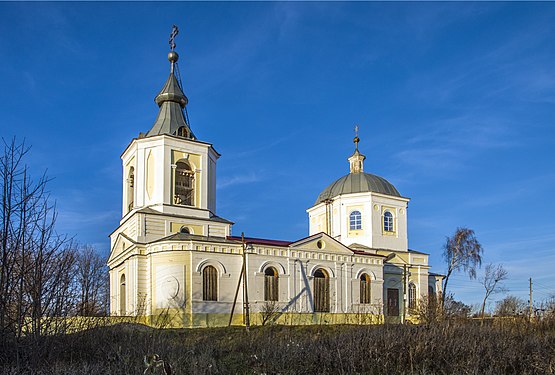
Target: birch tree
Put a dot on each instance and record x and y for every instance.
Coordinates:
(462, 252)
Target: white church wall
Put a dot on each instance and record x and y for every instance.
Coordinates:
(316, 219)
(229, 268)
(212, 183)
(355, 202)
(170, 284)
(396, 240)
(168, 273)
(376, 284)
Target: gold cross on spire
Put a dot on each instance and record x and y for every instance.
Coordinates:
(173, 34)
(357, 139)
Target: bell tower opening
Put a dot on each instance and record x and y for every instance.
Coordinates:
(182, 132)
(184, 184)
(130, 189)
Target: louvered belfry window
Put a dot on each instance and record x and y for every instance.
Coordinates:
(321, 291)
(130, 189)
(184, 184)
(209, 284)
(364, 288)
(271, 291)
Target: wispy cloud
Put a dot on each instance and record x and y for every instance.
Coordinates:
(518, 67)
(446, 144)
(249, 178)
(262, 146)
(68, 219)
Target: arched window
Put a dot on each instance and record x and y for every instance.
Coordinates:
(130, 188)
(209, 284)
(271, 288)
(184, 184)
(364, 288)
(412, 296)
(355, 220)
(321, 291)
(182, 132)
(388, 221)
(185, 230)
(122, 297)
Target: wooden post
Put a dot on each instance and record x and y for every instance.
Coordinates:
(531, 304)
(235, 298)
(405, 296)
(245, 285)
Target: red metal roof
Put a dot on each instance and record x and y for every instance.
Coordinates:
(261, 241)
(360, 252)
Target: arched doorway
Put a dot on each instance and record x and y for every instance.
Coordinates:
(271, 287)
(321, 291)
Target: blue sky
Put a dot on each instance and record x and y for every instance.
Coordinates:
(455, 102)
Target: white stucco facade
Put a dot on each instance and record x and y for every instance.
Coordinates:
(171, 253)
(372, 207)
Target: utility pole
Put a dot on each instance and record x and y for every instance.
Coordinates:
(243, 277)
(405, 299)
(531, 305)
(245, 286)
(235, 298)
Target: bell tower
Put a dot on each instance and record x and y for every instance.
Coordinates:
(169, 176)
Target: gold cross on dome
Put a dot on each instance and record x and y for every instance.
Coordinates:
(173, 34)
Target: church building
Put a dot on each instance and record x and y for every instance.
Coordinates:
(172, 257)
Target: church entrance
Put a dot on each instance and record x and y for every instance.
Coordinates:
(321, 291)
(392, 302)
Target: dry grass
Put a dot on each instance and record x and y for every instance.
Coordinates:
(463, 348)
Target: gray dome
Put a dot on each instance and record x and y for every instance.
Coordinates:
(357, 183)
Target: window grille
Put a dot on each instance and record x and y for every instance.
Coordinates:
(209, 284)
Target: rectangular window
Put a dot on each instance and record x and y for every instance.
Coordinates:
(355, 220)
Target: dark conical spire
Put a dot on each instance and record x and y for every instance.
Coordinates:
(171, 100)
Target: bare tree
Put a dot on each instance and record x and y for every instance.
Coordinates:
(429, 310)
(510, 306)
(454, 309)
(92, 282)
(36, 263)
(463, 252)
(269, 312)
(493, 276)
